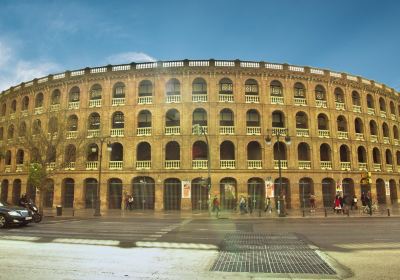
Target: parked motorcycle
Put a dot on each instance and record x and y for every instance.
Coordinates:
(37, 218)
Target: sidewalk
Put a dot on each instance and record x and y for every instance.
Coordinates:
(225, 214)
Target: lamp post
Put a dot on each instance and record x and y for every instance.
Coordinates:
(199, 130)
(268, 140)
(98, 201)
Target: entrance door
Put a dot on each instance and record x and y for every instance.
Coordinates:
(228, 193)
(4, 191)
(143, 193)
(114, 194)
(199, 196)
(172, 194)
(256, 193)
(90, 193)
(328, 192)
(69, 193)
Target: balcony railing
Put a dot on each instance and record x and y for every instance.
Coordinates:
(24, 113)
(377, 167)
(300, 101)
(20, 168)
(225, 97)
(117, 132)
(383, 114)
(172, 130)
(7, 168)
(398, 168)
(345, 165)
(95, 103)
(386, 140)
(374, 138)
(356, 109)
(302, 132)
(92, 165)
(326, 165)
(72, 134)
(362, 166)
(282, 131)
(254, 164)
(339, 106)
(199, 97)
(252, 99)
(55, 107)
(73, 105)
(321, 104)
(304, 164)
(360, 136)
(145, 100)
(38, 110)
(204, 129)
(172, 164)
(70, 166)
(276, 100)
(143, 131)
(371, 111)
(116, 165)
(393, 116)
(227, 130)
(389, 167)
(199, 164)
(284, 164)
(396, 142)
(143, 164)
(253, 130)
(12, 116)
(173, 99)
(323, 133)
(93, 133)
(342, 134)
(227, 164)
(50, 166)
(118, 101)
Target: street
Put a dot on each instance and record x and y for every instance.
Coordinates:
(140, 247)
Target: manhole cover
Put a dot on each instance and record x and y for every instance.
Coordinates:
(250, 252)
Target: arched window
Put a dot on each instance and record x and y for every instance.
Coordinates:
(39, 100)
(117, 152)
(301, 120)
(96, 92)
(344, 153)
(145, 88)
(376, 156)
(303, 152)
(119, 90)
(359, 126)
(373, 128)
(118, 120)
(25, 103)
(299, 90)
(36, 127)
(392, 108)
(252, 118)
(355, 97)
(320, 93)
(396, 133)
(53, 125)
(199, 151)
(339, 95)
(342, 124)
(199, 117)
(226, 118)
(70, 154)
(361, 154)
(172, 118)
(7, 159)
(172, 152)
(173, 87)
(10, 132)
(389, 157)
(251, 87)
(370, 101)
(278, 119)
(3, 109)
(323, 123)
(276, 88)
(13, 106)
(306, 189)
(385, 130)
(51, 154)
(227, 152)
(144, 119)
(1, 133)
(280, 153)
(90, 185)
(325, 152)
(56, 97)
(94, 121)
(72, 124)
(92, 152)
(254, 151)
(225, 86)
(20, 156)
(48, 194)
(380, 191)
(199, 86)
(256, 193)
(74, 94)
(228, 191)
(114, 193)
(382, 104)
(143, 152)
(328, 191)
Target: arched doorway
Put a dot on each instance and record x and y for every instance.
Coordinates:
(393, 191)
(90, 192)
(256, 193)
(4, 190)
(68, 193)
(199, 194)
(16, 192)
(49, 194)
(306, 189)
(228, 191)
(380, 191)
(114, 193)
(143, 190)
(172, 194)
(285, 188)
(328, 192)
(348, 188)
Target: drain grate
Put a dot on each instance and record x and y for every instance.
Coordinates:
(250, 252)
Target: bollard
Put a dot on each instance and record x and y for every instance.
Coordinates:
(388, 212)
(326, 213)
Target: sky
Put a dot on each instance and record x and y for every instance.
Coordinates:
(360, 37)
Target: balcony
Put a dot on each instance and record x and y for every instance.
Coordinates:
(12, 116)
(396, 142)
(339, 106)
(95, 103)
(304, 164)
(72, 134)
(143, 164)
(276, 100)
(343, 135)
(143, 131)
(38, 110)
(199, 164)
(252, 99)
(93, 133)
(284, 164)
(204, 129)
(386, 140)
(321, 104)
(173, 99)
(398, 168)
(326, 165)
(227, 164)
(73, 105)
(253, 130)
(116, 165)
(377, 167)
(362, 166)
(118, 101)
(323, 133)
(389, 167)
(393, 116)
(117, 132)
(7, 168)
(371, 111)
(55, 107)
(345, 165)
(300, 101)
(70, 166)
(383, 114)
(374, 138)
(145, 100)
(172, 164)
(172, 130)
(356, 109)
(282, 131)
(360, 136)
(199, 97)
(50, 166)
(24, 113)
(225, 98)
(92, 165)
(227, 130)
(302, 132)
(254, 164)
(20, 168)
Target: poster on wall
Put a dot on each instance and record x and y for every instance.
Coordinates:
(269, 187)
(230, 192)
(387, 187)
(186, 189)
(339, 186)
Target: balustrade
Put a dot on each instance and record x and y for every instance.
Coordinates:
(252, 99)
(116, 165)
(323, 133)
(38, 110)
(393, 116)
(227, 164)
(389, 167)
(199, 164)
(276, 100)
(204, 129)
(145, 100)
(374, 138)
(55, 107)
(383, 114)
(356, 109)
(284, 164)
(377, 167)
(143, 131)
(73, 105)
(93, 133)
(321, 104)
(300, 101)
(172, 164)
(173, 99)
(342, 134)
(225, 98)
(7, 168)
(143, 164)
(282, 131)
(254, 164)
(95, 103)
(326, 165)
(118, 101)
(172, 130)
(339, 106)
(50, 166)
(386, 140)
(20, 168)
(345, 165)
(302, 132)
(70, 166)
(362, 166)
(304, 164)
(199, 97)
(360, 136)
(253, 130)
(72, 134)
(227, 130)
(92, 165)
(371, 111)
(117, 132)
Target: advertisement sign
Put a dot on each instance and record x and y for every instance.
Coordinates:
(186, 189)
(387, 187)
(269, 187)
(230, 191)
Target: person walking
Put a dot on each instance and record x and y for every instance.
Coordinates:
(338, 206)
(268, 207)
(368, 202)
(354, 203)
(216, 205)
(312, 203)
(130, 202)
(242, 205)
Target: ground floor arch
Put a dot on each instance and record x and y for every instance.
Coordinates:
(228, 193)
(67, 193)
(256, 193)
(90, 192)
(328, 192)
(199, 194)
(143, 192)
(114, 193)
(172, 194)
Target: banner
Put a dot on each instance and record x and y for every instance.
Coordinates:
(186, 189)
(269, 187)
(387, 187)
(339, 186)
(230, 191)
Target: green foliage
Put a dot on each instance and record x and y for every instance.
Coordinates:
(37, 175)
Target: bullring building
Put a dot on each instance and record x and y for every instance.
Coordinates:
(146, 128)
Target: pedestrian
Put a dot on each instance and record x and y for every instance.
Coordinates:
(363, 199)
(341, 200)
(354, 204)
(368, 202)
(312, 203)
(338, 206)
(268, 205)
(216, 205)
(242, 205)
(130, 202)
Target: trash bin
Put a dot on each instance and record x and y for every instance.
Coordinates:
(59, 210)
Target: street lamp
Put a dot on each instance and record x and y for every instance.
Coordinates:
(94, 149)
(199, 130)
(278, 133)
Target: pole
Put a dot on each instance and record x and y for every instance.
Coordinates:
(281, 200)
(98, 201)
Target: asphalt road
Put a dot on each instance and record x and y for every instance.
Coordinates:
(175, 248)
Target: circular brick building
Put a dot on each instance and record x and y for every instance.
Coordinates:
(163, 128)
